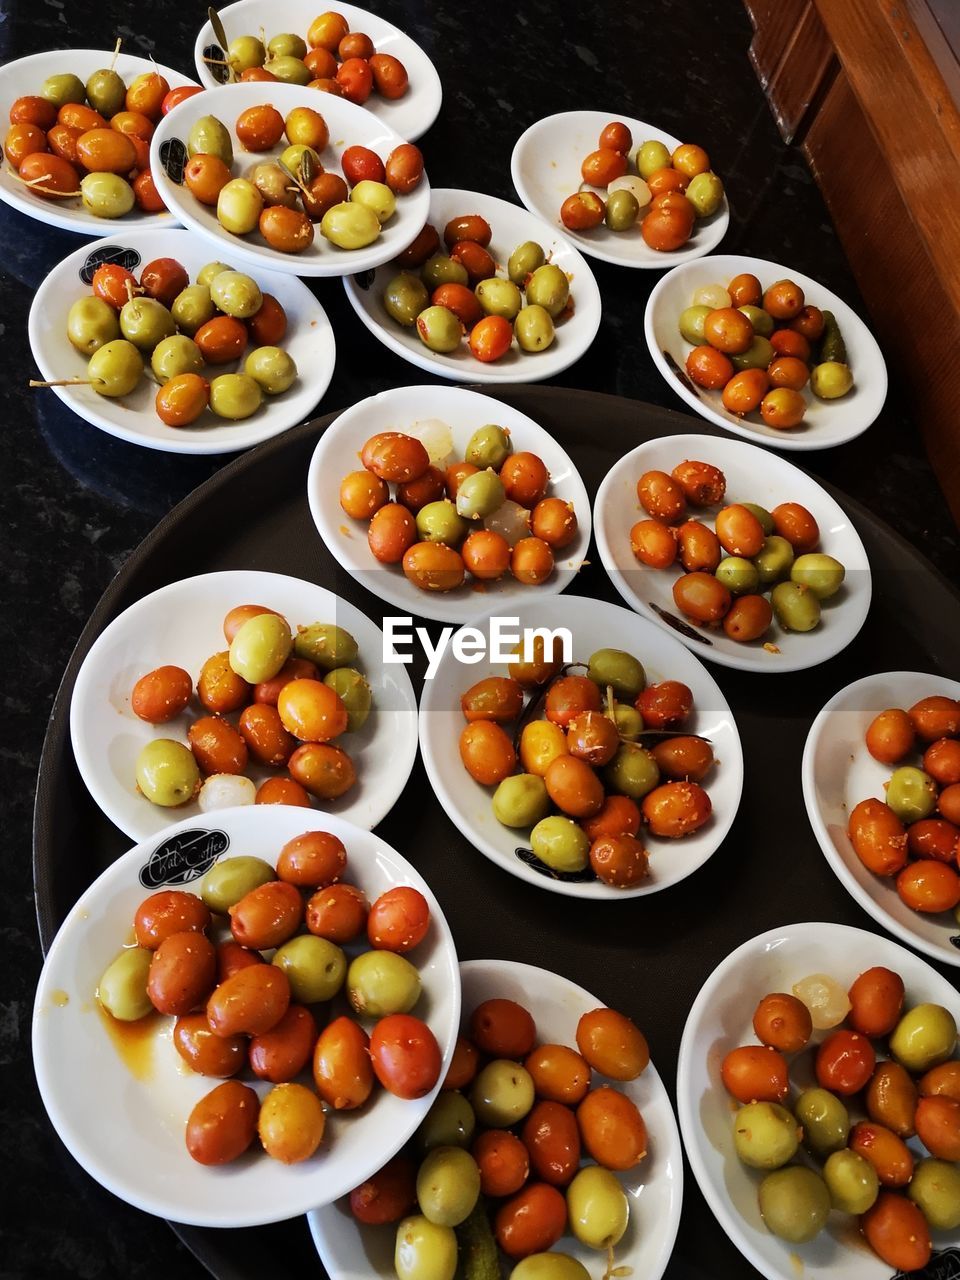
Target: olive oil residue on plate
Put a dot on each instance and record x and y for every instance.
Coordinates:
(135, 1042)
(60, 998)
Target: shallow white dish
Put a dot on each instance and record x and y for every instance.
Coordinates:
(411, 115)
(126, 1127)
(753, 475)
(826, 423)
(719, 1021)
(545, 167)
(309, 340)
(349, 125)
(511, 226)
(838, 772)
(594, 624)
(655, 1187)
(181, 624)
(26, 76)
(400, 409)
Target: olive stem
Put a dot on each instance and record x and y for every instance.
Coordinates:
(116, 53)
(64, 382)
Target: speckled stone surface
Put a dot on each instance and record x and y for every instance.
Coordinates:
(76, 502)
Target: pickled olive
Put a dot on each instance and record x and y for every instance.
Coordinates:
(632, 772)
(424, 1250)
(653, 544)
(911, 794)
(350, 225)
(559, 1073)
(341, 1065)
(701, 597)
(582, 211)
(477, 262)
(167, 773)
(222, 1124)
(795, 606)
(765, 1135)
(878, 837)
(623, 210)
(280, 1054)
(531, 561)
(405, 297)
(91, 323)
(740, 575)
(739, 531)
(935, 1188)
(934, 838)
(499, 298)
(161, 695)
(182, 972)
(166, 912)
(490, 338)
(379, 983)
(122, 989)
(439, 329)
(291, 1123)
(891, 1099)
(493, 698)
(745, 391)
(386, 1196)
(503, 1161)
(661, 496)
(699, 547)
(391, 533)
(593, 737)
(541, 742)
(533, 1221)
(560, 843)
(676, 809)
(502, 1093)
(852, 1181)
(935, 717)
(487, 752)
(486, 554)
(845, 1062)
(405, 1055)
(825, 1121)
(924, 1037)
(794, 1203)
(205, 1053)
(755, 1073)
(552, 1138)
(398, 920)
(548, 287)
(314, 966)
(502, 1028)
(325, 771)
(448, 1185)
(941, 761)
(821, 573)
(231, 879)
(521, 800)
(783, 1022)
(612, 1129)
(217, 746)
(797, 525)
(889, 1155)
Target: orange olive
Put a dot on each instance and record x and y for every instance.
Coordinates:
(653, 543)
(701, 597)
(337, 912)
(312, 861)
(559, 1073)
(728, 330)
(699, 547)
(134, 123)
(219, 688)
(169, 911)
(161, 695)
(665, 705)
(890, 736)
(404, 167)
(809, 322)
(146, 94)
(267, 915)
(182, 399)
(468, 227)
(532, 1221)
(554, 522)
(206, 176)
(935, 717)
(182, 972)
(748, 618)
(541, 666)
(218, 747)
(934, 838)
(745, 290)
(392, 532)
(221, 340)
(690, 159)
(390, 80)
(433, 566)
(341, 1065)
(106, 151)
(788, 371)
(231, 958)
(62, 141)
(891, 1099)
(33, 109)
(929, 886)
(268, 691)
(797, 525)
(783, 1022)
(269, 325)
(414, 494)
(619, 860)
(282, 791)
(307, 127)
(612, 1129)
(705, 365)
(312, 711)
(463, 1064)
(424, 245)
(619, 816)
(503, 1161)
(573, 786)
(683, 759)
(77, 116)
(755, 1073)
(396, 457)
(876, 999)
(783, 300)
(739, 531)
(486, 554)
(600, 167)
(552, 1138)
(487, 753)
(455, 475)
(949, 803)
(23, 140)
(782, 408)
(897, 1232)
(250, 1001)
(661, 496)
(266, 738)
(617, 136)
(667, 179)
(568, 697)
(493, 698)
(325, 771)
(475, 260)
(222, 1124)
(291, 1123)
(593, 737)
(878, 837)
(676, 809)
(524, 478)
(286, 230)
(612, 1044)
(327, 31)
(205, 1053)
(942, 761)
(745, 390)
(703, 485)
(240, 614)
(49, 176)
(503, 1029)
(889, 1155)
(942, 1080)
(788, 342)
(281, 1053)
(531, 561)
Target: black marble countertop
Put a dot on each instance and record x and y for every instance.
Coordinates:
(77, 502)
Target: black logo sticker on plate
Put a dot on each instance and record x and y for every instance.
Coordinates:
(216, 61)
(944, 1265)
(173, 157)
(182, 858)
(364, 279)
(569, 877)
(114, 253)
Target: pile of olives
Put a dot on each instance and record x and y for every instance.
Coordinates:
(585, 783)
(100, 130)
(293, 696)
(333, 59)
(762, 347)
(487, 514)
(459, 293)
(496, 1164)
(898, 1194)
(198, 958)
(182, 327)
(283, 196)
(664, 197)
(899, 837)
(727, 569)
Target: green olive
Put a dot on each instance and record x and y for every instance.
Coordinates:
(597, 1208)
(739, 576)
(521, 800)
(145, 322)
(705, 193)
(192, 308)
(174, 355)
(287, 45)
(534, 329)
(123, 987)
(911, 794)
(480, 494)
(774, 560)
(206, 273)
(632, 772)
(623, 209)
(326, 645)
(628, 720)
(208, 136)
(167, 773)
(289, 69)
(231, 879)
(380, 983)
(762, 321)
(448, 1186)
(549, 1266)
(354, 693)
(107, 195)
(794, 1203)
(502, 1094)
(274, 185)
(935, 1187)
(239, 206)
(291, 158)
(524, 261)
(236, 294)
(549, 288)
(618, 669)
(261, 647)
(763, 516)
(851, 1180)
(765, 1135)
(272, 368)
(440, 270)
(424, 1251)
(795, 606)
(64, 88)
(106, 92)
(439, 329)
(377, 197)
(831, 380)
(349, 225)
(757, 356)
(691, 324)
(235, 396)
(650, 157)
(115, 369)
(824, 1119)
(440, 522)
(489, 446)
(404, 298)
(246, 52)
(499, 297)
(821, 573)
(450, 1122)
(315, 967)
(91, 323)
(560, 843)
(924, 1037)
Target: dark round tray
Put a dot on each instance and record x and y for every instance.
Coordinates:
(646, 956)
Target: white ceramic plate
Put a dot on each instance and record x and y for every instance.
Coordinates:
(410, 116)
(511, 227)
(838, 772)
(753, 475)
(545, 167)
(827, 422)
(594, 624)
(26, 76)
(349, 125)
(309, 340)
(719, 1021)
(126, 1126)
(181, 624)
(400, 409)
(655, 1188)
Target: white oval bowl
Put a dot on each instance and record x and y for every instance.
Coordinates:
(349, 125)
(126, 1128)
(309, 341)
(337, 454)
(826, 423)
(720, 1020)
(180, 624)
(26, 76)
(594, 624)
(545, 167)
(410, 116)
(655, 1187)
(511, 227)
(838, 772)
(753, 475)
